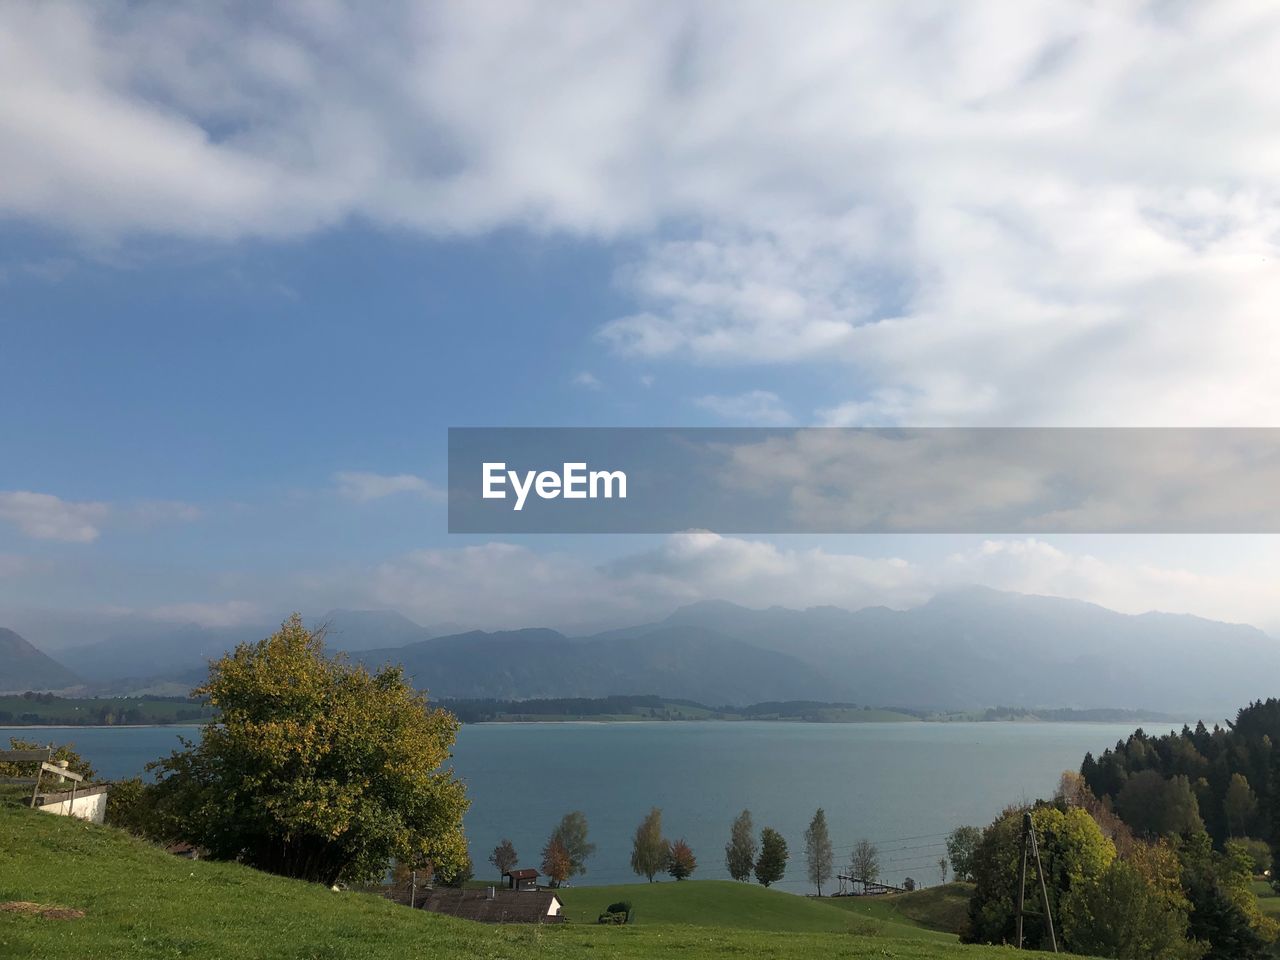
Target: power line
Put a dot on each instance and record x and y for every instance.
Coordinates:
(923, 836)
(880, 849)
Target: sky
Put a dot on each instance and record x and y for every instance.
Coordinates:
(254, 262)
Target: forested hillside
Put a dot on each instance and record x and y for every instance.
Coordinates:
(1226, 777)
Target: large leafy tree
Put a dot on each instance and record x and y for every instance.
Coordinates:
(740, 851)
(316, 769)
(772, 863)
(572, 834)
(1073, 851)
(650, 852)
(817, 850)
(1123, 915)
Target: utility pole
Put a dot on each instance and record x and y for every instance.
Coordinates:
(1030, 848)
(1022, 879)
(413, 888)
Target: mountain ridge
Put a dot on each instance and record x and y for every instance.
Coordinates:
(963, 649)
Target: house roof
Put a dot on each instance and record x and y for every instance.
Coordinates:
(505, 906)
(524, 873)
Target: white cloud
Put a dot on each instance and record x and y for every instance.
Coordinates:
(224, 613)
(499, 585)
(1007, 480)
(755, 573)
(588, 380)
(755, 408)
(503, 585)
(362, 486)
(166, 511)
(989, 213)
(1036, 566)
(231, 613)
(506, 585)
(42, 516)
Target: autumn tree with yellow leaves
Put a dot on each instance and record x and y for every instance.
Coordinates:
(315, 768)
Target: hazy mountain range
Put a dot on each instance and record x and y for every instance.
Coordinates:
(965, 649)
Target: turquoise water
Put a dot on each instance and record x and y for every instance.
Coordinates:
(903, 785)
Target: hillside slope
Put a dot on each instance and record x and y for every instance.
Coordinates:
(745, 906)
(142, 903)
(23, 667)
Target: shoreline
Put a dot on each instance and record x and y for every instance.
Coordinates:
(626, 721)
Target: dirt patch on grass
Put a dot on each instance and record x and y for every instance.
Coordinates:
(48, 911)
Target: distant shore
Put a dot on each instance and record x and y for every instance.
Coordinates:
(35, 711)
(619, 721)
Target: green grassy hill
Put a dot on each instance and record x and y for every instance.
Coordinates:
(943, 908)
(140, 902)
(742, 906)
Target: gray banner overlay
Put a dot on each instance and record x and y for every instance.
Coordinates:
(817, 480)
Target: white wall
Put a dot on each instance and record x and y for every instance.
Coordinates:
(91, 807)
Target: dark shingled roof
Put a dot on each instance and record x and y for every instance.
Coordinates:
(524, 873)
(506, 906)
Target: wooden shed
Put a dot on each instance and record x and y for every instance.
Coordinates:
(495, 905)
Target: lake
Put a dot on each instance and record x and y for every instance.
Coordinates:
(902, 785)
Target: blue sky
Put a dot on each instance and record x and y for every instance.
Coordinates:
(253, 263)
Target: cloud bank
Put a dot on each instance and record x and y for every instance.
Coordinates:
(499, 585)
(1050, 213)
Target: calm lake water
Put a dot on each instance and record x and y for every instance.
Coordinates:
(902, 785)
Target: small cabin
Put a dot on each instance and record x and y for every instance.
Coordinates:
(495, 905)
(525, 878)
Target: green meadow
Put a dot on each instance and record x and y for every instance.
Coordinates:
(140, 902)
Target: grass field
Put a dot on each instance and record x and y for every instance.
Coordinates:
(1268, 899)
(943, 908)
(140, 902)
(92, 711)
(742, 906)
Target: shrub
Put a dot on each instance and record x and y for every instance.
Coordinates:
(616, 913)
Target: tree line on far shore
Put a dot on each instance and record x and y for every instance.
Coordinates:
(566, 850)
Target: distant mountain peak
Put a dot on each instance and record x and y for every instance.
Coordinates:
(23, 667)
(710, 605)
